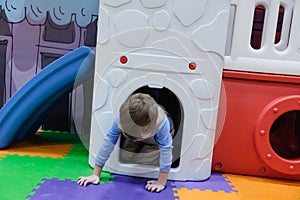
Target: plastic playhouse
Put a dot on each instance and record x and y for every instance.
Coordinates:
(169, 52)
(260, 134)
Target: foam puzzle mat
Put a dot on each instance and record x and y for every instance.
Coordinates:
(46, 167)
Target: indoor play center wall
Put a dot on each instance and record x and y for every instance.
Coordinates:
(35, 33)
(261, 91)
(197, 58)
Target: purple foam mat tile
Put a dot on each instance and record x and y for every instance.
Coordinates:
(133, 188)
(216, 183)
(66, 189)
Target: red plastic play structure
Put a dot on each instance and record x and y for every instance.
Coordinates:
(261, 132)
(260, 135)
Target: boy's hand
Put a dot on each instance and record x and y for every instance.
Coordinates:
(154, 186)
(85, 180)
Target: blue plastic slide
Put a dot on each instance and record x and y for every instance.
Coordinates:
(26, 110)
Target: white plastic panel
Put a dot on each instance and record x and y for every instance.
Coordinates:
(160, 40)
(280, 58)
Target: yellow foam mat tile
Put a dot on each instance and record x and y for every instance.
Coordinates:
(250, 188)
(195, 194)
(37, 148)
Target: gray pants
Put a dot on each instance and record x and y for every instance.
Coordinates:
(144, 152)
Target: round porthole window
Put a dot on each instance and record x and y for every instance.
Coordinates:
(277, 135)
(285, 135)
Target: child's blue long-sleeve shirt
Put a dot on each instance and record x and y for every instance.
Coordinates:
(162, 137)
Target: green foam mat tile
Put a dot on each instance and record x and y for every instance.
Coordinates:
(21, 174)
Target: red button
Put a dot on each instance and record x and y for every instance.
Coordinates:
(123, 59)
(192, 66)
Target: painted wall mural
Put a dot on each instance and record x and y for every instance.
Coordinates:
(34, 33)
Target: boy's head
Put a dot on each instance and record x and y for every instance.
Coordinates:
(138, 115)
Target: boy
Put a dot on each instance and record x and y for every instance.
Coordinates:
(148, 133)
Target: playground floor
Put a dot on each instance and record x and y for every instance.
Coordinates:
(46, 167)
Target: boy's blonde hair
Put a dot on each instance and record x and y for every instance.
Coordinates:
(138, 115)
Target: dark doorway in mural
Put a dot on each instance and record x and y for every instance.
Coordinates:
(4, 30)
(59, 117)
(3, 47)
(59, 33)
(90, 34)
